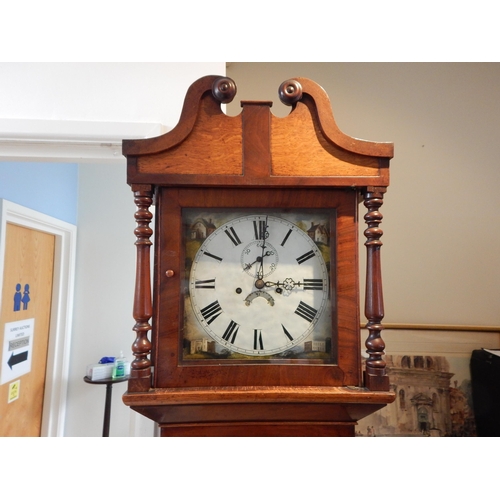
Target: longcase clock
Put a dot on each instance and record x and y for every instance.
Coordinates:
(253, 324)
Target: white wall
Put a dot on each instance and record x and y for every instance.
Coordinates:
(82, 111)
(106, 255)
(52, 97)
(98, 91)
(440, 257)
(104, 295)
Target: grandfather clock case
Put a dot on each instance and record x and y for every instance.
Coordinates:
(250, 324)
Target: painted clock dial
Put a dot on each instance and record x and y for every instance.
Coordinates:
(259, 285)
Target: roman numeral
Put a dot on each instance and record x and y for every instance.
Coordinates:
(231, 331)
(231, 234)
(313, 284)
(305, 311)
(205, 283)
(211, 312)
(286, 332)
(213, 256)
(257, 340)
(306, 256)
(259, 228)
(286, 237)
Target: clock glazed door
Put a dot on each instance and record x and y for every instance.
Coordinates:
(263, 291)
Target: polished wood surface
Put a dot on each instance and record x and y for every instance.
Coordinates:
(258, 394)
(375, 374)
(256, 160)
(140, 373)
(258, 411)
(169, 373)
(259, 429)
(209, 148)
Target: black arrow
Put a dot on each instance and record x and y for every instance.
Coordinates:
(15, 359)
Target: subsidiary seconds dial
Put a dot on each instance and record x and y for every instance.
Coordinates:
(259, 285)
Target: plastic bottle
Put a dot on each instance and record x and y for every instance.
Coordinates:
(119, 367)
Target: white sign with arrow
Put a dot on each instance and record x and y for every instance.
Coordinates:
(17, 349)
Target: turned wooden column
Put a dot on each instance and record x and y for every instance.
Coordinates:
(375, 376)
(140, 369)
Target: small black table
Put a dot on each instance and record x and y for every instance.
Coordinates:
(107, 407)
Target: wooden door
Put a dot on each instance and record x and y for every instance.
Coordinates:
(24, 328)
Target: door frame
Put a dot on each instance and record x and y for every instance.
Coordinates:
(61, 315)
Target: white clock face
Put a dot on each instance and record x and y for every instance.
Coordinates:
(259, 285)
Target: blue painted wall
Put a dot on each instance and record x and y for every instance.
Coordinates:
(50, 188)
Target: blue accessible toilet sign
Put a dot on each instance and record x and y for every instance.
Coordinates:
(21, 297)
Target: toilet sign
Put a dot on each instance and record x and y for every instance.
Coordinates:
(17, 349)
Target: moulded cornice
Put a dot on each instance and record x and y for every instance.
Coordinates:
(69, 141)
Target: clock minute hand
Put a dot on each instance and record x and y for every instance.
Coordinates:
(248, 266)
(260, 272)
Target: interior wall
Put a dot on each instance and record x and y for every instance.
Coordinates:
(125, 92)
(104, 292)
(440, 258)
(101, 202)
(105, 274)
(49, 188)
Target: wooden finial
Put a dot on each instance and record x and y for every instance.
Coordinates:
(224, 89)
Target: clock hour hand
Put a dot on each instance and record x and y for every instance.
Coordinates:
(288, 284)
(264, 234)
